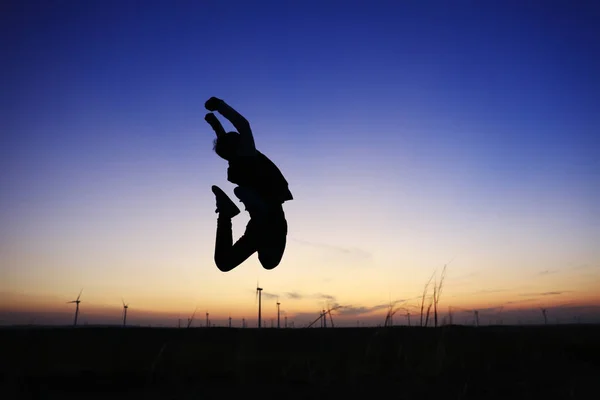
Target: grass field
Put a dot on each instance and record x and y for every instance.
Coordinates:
(403, 363)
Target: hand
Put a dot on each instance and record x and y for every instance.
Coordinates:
(213, 104)
(214, 122)
(211, 118)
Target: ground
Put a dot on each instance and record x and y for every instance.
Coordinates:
(403, 362)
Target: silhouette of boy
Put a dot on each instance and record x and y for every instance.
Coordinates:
(262, 189)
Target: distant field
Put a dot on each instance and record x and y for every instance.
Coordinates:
(402, 363)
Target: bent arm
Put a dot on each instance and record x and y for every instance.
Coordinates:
(241, 125)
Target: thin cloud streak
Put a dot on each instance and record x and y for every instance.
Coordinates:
(318, 296)
(548, 272)
(354, 252)
(544, 293)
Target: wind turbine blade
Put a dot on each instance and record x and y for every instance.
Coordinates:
(312, 323)
(79, 294)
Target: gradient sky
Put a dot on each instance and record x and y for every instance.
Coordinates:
(412, 133)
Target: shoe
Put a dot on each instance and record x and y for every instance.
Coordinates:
(225, 207)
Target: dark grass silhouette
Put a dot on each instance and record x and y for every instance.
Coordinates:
(262, 189)
(451, 362)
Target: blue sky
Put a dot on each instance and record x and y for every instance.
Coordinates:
(410, 132)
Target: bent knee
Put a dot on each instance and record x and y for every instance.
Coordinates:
(224, 265)
(269, 261)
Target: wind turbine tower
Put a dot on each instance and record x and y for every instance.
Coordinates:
(259, 293)
(278, 325)
(76, 307)
(125, 307)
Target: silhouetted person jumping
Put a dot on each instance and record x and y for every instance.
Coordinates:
(262, 189)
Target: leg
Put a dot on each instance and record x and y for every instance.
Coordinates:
(272, 242)
(227, 254)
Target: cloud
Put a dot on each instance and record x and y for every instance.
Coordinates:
(522, 301)
(345, 310)
(325, 296)
(491, 309)
(359, 310)
(351, 310)
(548, 272)
(333, 250)
(318, 296)
(543, 293)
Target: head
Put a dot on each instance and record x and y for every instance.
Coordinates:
(226, 145)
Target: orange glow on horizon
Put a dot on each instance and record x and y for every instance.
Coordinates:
(219, 312)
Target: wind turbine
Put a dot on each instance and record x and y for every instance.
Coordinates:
(207, 321)
(475, 314)
(125, 307)
(323, 316)
(191, 319)
(278, 303)
(330, 317)
(259, 294)
(76, 307)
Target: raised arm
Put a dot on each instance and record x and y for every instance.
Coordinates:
(237, 120)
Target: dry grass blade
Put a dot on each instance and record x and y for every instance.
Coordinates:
(437, 291)
(425, 290)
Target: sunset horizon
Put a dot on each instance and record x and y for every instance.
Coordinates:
(411, 136)
(495, 306)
